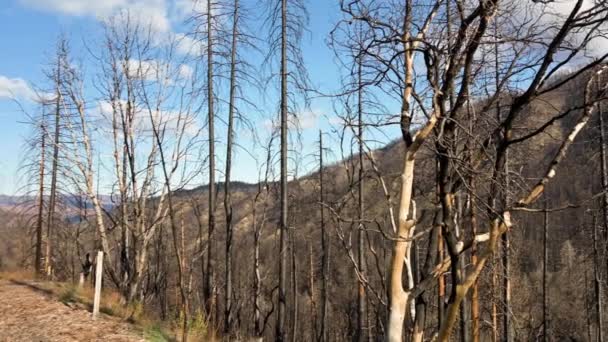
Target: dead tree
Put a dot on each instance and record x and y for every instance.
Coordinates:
(325, 247)
(62, 52)
(129, 75)
(598, 283)
(361, 298)
(210, 290)
(227, 197)
(280, 326)
(545, 273)
(286, 20)
(603, 164)
(395, 36)
(40, 218)
(262, 195)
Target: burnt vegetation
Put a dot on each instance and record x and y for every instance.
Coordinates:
(460, 192)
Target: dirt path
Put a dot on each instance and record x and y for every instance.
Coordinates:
(28, 314)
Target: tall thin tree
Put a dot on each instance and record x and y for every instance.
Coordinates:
(210, 290)
(229, 146)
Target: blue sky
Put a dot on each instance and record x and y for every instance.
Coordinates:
(29, 30)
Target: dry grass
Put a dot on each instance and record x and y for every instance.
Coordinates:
(111, 304)
(29, 312)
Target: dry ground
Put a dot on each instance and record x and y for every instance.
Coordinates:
(27, 313)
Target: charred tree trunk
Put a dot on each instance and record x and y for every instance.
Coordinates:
(324, 247)
(294, 288)
(598, 284)
(545, 274)
(440, 256)
(227, 195)
(475, 290)
(604, 168)
(465, 330)
(40, 220)
(210, 290)
(280, 326)
(313, 303)
(54, 164)
(257, 318)
(361, 298)
(506, 267)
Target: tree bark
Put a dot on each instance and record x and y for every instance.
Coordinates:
(604, 168)
(227, 194)
(361, 263)
(210, 290)
(280, 327)
(54, 163)
(475, 291)
(294, 288)
(40, 220)
(545, 274)
(598, 284)
(324, 247)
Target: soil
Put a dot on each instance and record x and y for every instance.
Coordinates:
(29, 313)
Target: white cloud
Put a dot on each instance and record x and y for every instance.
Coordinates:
(185, 71)
(159, 15)
(186, 45)
(16, 88)
(183, 9)
(308, 119)
(556, 12)
(147, 12)
(143, 123)
(146, 70)
(159, 71)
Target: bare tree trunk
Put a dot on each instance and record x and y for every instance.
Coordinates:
(257, 319)
(210, 290)
(361, 298)
(53, 191)
(545, 274)
(440, 256)
(280, 327)
(178, 236)
(324, 247)
(313, 303)
(40, 220)
(505, 237)
(506, 266)
(475, 290)
(398, 296)
(420, 318)
(471, 116)
(604, 167)
(598, 284)
(464, 307)
(587, 316)
(495, 298)
(294, 288)
(227, 195)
